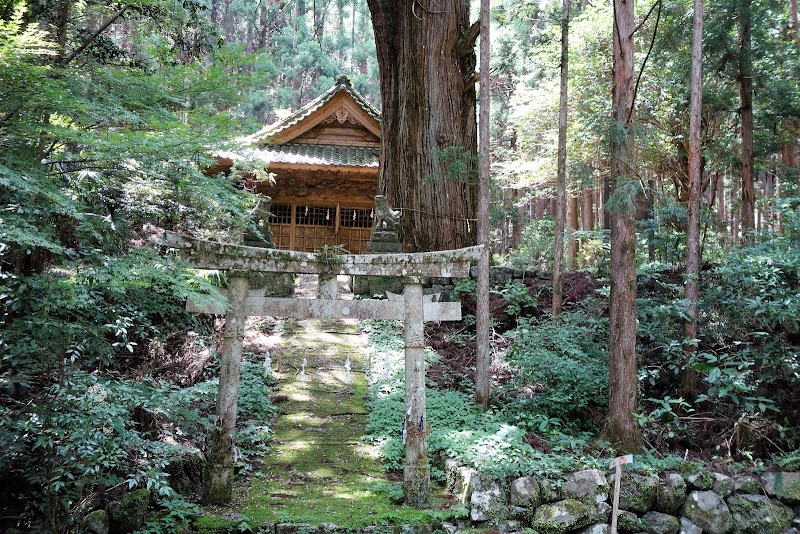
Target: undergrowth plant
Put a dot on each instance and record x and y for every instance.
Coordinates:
(491, 441)
(745, 357)
(560, 369)
(458, 431)
(76, 445)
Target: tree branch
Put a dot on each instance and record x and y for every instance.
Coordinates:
(470, 83)
(641, 71)
(467, 41)
(646, 17)
(95, 35)
(8, 116)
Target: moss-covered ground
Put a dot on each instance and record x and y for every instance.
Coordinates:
(318, 471)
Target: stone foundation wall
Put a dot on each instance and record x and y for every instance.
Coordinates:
(667, 504)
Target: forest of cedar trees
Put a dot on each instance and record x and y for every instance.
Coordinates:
(646, 158)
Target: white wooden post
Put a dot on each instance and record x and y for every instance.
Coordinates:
(417, 473)
(615, 499)
(617, 463)
(218, 475)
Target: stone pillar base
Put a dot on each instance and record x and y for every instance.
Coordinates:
(218, 472)
(417, 486)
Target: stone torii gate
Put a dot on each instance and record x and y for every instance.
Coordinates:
(239, 261)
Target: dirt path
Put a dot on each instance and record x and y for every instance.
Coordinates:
(318, 470)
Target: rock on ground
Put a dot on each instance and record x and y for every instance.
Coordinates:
(629, 522)
(597, 528)
(588, 486)
(757, 514)
(524, 491)
(130, 513)
(637, 492)
(671, 493)
(746, 484)
(562, 516)
(487, 501)
(687, 527)
(708, 511)
(96, 522)
(658, 523)
(785, 486)
(723, 484)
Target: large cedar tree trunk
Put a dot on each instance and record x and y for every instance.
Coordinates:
(572, 227)
(587, 212)
(482, 328)
(561, 188)
(746, 103)
(693, 251)
(427, 61)
(519, 219)
(621, 428)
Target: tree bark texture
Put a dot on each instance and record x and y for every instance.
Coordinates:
(746, 110)
(607, 188)
(218, 475)
(790, 159)
(722, 216)
(769, 204)
(426, 58)
(621, 428)
(572, 227)
(734, 214)
(519, 219)
(538, 209)
(417, 472)
(561, 172)
(482, 346)
(587, 210)
(692, 284)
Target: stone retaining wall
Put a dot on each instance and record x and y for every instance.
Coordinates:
(668, 504)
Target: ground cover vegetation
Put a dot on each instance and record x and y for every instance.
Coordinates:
(108, 112)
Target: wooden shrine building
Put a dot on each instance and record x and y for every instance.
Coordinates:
(325, 160)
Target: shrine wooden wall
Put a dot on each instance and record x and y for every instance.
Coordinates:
(315, 208)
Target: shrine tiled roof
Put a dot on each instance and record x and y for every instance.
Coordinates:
(342, 84)
(334, 155)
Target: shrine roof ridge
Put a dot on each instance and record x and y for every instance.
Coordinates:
(342, 84)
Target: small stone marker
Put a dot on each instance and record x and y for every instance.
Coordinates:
(387, 364)
(267, 364)
(617, 464)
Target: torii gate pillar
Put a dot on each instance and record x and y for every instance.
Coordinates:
(219, 469)
(417, 472)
